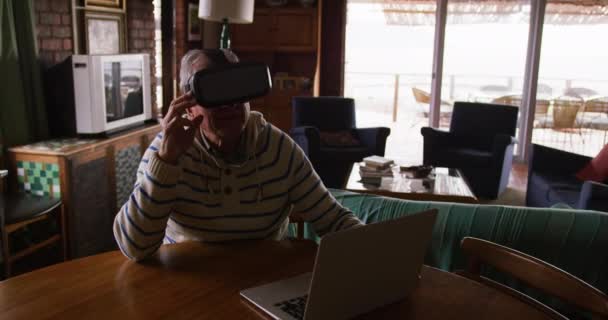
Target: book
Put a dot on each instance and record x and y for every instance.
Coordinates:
(364, 168)
(378, 162)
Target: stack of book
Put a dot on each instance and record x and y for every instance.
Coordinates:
(374, 168)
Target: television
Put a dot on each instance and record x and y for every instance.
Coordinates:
(97, 95)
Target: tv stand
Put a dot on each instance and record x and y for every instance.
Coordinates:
(119, 131)
(92, 176)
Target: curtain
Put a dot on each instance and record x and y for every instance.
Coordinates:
(22, 111)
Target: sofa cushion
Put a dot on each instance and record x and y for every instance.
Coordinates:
(597, 169)
(551, 189)
(338, 139)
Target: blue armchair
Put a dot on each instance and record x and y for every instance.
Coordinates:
(552, 180)
(480, 143)
(324, 127)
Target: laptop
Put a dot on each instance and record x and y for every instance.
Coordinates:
(355, 271)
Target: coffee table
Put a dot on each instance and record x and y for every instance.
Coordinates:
(448, 185)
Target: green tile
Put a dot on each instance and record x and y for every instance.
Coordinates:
(19, 164)
(43, 174)
(56, 174)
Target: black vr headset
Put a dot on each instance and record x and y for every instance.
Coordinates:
(233, 83)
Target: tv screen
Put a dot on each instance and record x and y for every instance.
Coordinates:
(123, 89)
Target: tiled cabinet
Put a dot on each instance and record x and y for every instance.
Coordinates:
(92, 177)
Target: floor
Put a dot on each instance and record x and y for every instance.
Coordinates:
(515, 194)
(518, 179)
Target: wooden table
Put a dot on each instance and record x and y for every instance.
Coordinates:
(448, 185)
(200, 281)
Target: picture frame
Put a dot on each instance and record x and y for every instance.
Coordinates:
(104, 33)
(193, 23)
(109, 4)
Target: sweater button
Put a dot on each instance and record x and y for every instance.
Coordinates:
(228, 190)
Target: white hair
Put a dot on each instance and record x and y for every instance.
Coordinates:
(190, 59)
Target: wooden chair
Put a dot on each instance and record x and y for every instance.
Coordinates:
(534, 273)
(20, 209)
(511, 100)
(595, 114)
(541, 113)
(423, 99)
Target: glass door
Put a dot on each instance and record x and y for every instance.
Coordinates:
(572, 99)
(485, 52)
(388, 65)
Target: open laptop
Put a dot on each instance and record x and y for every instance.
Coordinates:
(356, 271)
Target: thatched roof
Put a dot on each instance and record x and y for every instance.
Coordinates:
(561, 12)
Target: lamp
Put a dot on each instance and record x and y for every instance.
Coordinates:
(226, 11)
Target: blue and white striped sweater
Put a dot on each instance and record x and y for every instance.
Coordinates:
(206, 199)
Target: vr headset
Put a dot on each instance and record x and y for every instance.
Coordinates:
(230, 84)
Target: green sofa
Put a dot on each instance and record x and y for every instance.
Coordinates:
(574, 240)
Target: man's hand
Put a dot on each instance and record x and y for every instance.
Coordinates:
(177, 139)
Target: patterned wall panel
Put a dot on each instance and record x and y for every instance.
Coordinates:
(127, 161)
(39, 178)
(92, 216)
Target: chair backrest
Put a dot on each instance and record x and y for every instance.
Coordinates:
(483, 119)
(421, 96)
(542, 106)
(511, 100)
(534, 273)
(565, 109)
(325, 113)
(597, 104)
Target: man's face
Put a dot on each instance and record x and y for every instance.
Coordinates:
(225, 122)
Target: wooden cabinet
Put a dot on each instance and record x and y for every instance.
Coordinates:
(92, 177)
(286, 39)
(276, 108)
(278, 29)
(296, 30)
(254, 36)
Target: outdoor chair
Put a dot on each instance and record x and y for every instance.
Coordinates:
(566, 116)
(423, 99)
(595, 115)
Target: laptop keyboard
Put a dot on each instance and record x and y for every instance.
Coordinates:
(294, 307)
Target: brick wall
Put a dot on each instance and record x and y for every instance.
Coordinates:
(56, 41)
(182, 45)
(54, 27)
(140, 35)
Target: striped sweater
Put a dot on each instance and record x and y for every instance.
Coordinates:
(205, 198)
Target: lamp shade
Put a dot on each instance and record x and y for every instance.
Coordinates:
(235, 11)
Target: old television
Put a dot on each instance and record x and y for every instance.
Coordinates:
(92, 95)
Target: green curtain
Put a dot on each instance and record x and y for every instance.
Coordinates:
(22, 111)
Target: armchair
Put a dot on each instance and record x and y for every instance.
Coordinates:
(552, 180)
(325, 128)
(480, 143)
